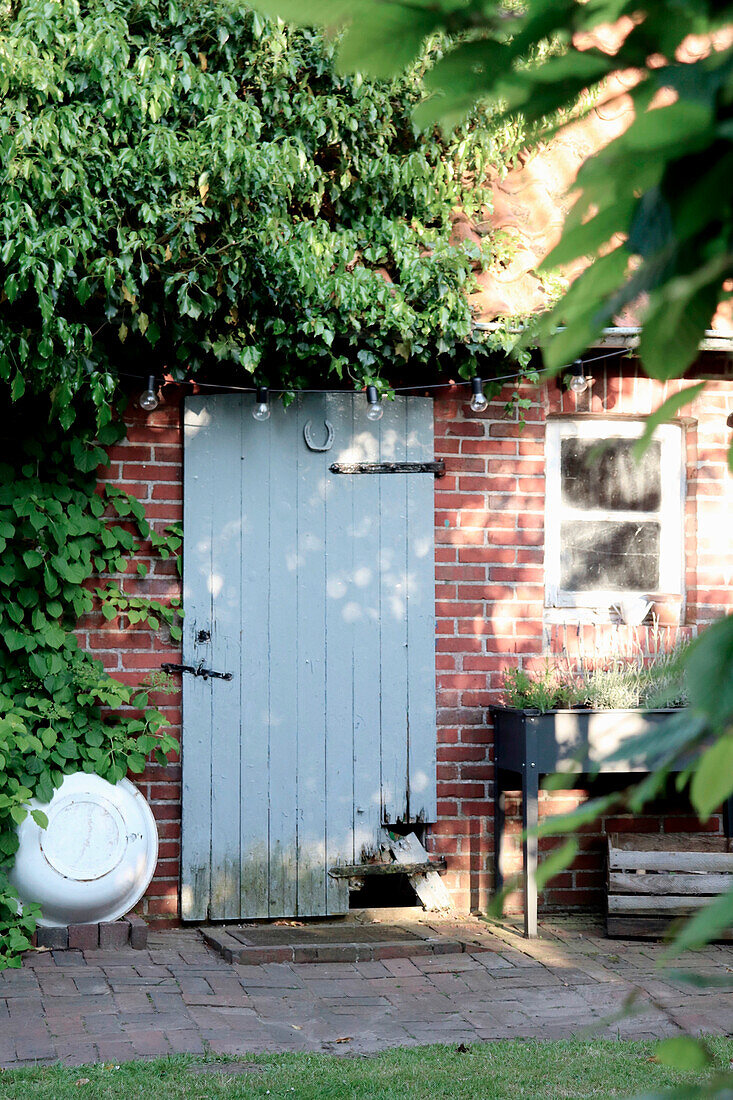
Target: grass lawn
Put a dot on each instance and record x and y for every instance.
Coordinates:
(488, 1071)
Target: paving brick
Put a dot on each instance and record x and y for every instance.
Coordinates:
(400, 950)
(152, 1043)
(258, 955)
(185, 1042)
(34, 1049)
(52, 937)
(7, 1051)
(84, 936)
(334, 952)
(77, 1052)
(115, 1050)
(114, 934)
(138, 932)
(69, 959)
(143, 1006)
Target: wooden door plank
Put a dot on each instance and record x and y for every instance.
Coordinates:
(311, 666)
(365, 533)
(393, 613)
(226, 656)
(341, 614)
(253, 574)
(420, 550)
(281, 655)
(200, 473)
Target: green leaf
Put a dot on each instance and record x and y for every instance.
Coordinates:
(555, 862)
(48, 737)
(585, 309)
(40, 818)
(705, 926)
(32, 558)
(465, 73)
(583, 815)
(14, 640)
(712, 782)
(136, 762)
(683, 1053)
(707, 668)
(674, 326)
(666, 411)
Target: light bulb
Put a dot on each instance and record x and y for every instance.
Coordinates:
(578, 382)
(375, 410)
(479, 400)
(149, 398)
(261, 411)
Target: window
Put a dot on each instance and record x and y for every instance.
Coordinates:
(613, 526)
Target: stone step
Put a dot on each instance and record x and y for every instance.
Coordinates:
(329, 942)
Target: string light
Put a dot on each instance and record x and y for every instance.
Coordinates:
(375, 409)
(149, 398)
(479, 401)
(578, 382)
(261, 411)
(414, 386)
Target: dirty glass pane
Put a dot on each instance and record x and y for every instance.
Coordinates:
(602, 473)
(604, 554)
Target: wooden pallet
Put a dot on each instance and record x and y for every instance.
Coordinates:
(654, 878)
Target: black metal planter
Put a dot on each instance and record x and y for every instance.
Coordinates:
(531, 744)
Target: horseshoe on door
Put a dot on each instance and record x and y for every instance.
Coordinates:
(309, 441)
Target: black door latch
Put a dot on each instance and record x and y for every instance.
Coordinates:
(198, 670)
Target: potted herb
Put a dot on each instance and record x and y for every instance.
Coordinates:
(585, 709)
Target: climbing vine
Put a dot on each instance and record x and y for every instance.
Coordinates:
(190, 188)
(59, 709)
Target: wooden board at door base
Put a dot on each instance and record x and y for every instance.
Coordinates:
(316, 591)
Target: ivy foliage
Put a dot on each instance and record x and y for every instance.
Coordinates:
(190, 186)
(59, 709)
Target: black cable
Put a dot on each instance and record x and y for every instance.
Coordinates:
(395, 389)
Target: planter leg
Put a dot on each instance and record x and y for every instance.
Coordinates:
(530, 799)
(728, 819)
(498, 829)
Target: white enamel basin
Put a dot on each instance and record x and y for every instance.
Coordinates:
(95, 859)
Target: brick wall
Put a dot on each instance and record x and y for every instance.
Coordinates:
(148, 465)
(489, 601)
(490, 606)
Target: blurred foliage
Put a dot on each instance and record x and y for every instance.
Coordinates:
(655, 206)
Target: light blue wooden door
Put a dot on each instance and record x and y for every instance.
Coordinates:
(316, 591)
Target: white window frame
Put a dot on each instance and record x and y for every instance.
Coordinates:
(670, 515)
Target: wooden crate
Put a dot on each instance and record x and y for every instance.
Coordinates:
(655, 878)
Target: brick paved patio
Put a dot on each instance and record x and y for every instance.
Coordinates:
(179, 996)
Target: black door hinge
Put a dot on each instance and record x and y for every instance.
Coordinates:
(198, 670)
(437, 468)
